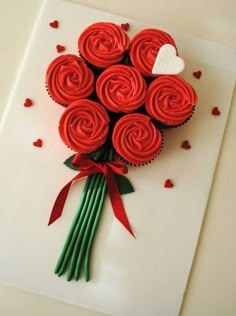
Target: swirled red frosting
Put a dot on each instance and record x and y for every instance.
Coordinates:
(68, 79)
(121, 88)
(103, 44)
(84, 126)
(136, 139)
(144, 48)
(170, 100)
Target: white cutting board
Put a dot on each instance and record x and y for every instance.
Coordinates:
(146, 276)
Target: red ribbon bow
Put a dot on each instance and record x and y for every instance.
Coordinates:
(89, 167)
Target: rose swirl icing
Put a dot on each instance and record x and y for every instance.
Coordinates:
(121, 88)
(144, 48)
(136, 139)
(170, 100)
(84, 126)
(68, 79)
(103, 44)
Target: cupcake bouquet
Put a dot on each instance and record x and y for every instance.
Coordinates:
(119, 97)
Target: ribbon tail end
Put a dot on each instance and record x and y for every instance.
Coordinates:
(51, 220)
(130, 231)
(59, 204)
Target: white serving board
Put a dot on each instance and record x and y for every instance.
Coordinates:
(146, 276)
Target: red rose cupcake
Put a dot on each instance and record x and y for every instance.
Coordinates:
(103, 44)
(68, 79)
(144, 48)
(121, 88)
(170, 100)
(136, 139)
(84, 126)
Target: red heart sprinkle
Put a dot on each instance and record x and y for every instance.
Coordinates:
(197, 74)
(168, 184)
(125, 26)
(54, 24)
(38, 143)
(28, 103)
(186, 145)
(60, 48)
(215, 111)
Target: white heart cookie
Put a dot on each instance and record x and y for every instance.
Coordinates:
(167, 63)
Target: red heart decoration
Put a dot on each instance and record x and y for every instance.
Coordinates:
(186, 145)
(28, 103)
(215, 111)
(54, 24)
(125, 26)
(197, 74)
(168, 184)
(60, 48)
(38, 143)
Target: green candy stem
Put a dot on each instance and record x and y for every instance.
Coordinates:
(81, 227)
(82, 239)
(82, 232)
(73, 225)
(69, 247)
(96, 222)
(93, 232)
(86, 235)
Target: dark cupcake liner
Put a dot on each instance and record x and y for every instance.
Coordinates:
(160, 125)
(96, 155)
(92, 96)
(64, 105)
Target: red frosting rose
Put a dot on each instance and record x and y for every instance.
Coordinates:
(144, 48)
(68, 79)
(121, 88)
(136, 139)
(103, 44)
(170, 100)
(84, 126)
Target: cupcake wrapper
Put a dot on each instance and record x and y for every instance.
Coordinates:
(92, 97)
(64, 105)
(162, 126)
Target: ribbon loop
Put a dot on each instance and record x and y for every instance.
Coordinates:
(89, 167)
